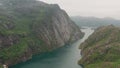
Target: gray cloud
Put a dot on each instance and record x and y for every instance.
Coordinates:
(97, 8)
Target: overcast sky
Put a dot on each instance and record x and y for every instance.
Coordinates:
(97, 8)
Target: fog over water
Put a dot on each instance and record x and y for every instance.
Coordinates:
(97, 8)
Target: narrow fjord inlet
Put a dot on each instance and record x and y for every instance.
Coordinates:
(65, 57)
(59, 34)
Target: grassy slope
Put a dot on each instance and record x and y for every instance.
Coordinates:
(101, 50)
(23, 27)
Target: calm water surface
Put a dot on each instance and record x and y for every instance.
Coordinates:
(66, 57)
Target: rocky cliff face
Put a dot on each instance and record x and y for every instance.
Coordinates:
(60, 30)
(102, 48)
(28, 27)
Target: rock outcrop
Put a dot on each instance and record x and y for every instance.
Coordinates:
(29, 27)
(102, 48)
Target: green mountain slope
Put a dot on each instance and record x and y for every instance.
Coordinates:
(102, 48)
(29, 27)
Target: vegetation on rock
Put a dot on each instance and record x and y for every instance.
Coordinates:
(102, 48)
(28, 27)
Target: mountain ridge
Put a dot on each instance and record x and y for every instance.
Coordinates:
(94, 21)
(29, 27)
(101, 49)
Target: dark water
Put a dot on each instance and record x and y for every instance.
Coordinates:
(66, 57)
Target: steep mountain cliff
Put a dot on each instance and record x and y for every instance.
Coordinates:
(29, 27)
(102, 48)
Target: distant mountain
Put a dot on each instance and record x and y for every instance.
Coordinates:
(102, 48)
(95, 22)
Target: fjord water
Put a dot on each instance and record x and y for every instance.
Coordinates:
(65, 57)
